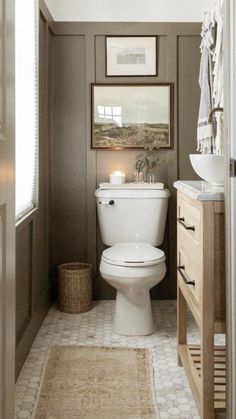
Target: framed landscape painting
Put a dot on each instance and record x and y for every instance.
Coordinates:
(131, 116)
(131, 56)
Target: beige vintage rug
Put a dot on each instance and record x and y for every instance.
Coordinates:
(88, 382)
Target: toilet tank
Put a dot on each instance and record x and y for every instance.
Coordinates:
(132, 215)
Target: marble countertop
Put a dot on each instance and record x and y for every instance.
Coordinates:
(200, 190)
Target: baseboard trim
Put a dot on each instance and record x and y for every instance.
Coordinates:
(31, 331)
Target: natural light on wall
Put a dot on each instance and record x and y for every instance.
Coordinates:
(26, 106)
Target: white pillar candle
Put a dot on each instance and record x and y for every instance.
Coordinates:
(117, 178)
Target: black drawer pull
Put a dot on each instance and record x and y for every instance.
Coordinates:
(181, 220)
(187, 280)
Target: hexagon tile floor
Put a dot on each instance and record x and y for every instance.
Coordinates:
(173, 394)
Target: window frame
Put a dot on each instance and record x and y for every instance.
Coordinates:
(24, 216)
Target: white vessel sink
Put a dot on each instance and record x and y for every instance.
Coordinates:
(209, 167)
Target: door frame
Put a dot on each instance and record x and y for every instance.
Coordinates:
(230, 200)
(7, 209)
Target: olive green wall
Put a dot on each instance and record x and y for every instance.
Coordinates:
(32, 232)
(78, 59)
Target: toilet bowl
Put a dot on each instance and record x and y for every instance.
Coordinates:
(132, 220)
(133, 269)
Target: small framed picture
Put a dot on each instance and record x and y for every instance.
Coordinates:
(131, 115)
(131, 56)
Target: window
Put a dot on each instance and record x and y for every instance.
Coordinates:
(26, 37)
(112, 113)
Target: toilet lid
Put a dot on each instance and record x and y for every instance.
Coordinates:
(133, 254)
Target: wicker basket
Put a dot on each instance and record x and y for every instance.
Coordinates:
(75, 287)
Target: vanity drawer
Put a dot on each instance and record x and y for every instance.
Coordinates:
(190, 273)
(191, 246)
(189, 220)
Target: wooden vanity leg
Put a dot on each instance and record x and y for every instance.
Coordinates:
(207, 317)
(181, 321)
(207, 361)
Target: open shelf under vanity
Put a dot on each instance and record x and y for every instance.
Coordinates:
(190, 356)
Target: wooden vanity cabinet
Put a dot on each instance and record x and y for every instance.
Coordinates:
(201, 288)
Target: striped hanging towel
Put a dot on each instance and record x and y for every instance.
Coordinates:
(205, 131)
(218, 76)
(218, 56)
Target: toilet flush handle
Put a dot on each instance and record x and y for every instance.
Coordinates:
(111, 202)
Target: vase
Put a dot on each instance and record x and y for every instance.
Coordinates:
(139, 176)
(150, 176)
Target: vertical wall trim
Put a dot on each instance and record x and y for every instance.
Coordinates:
(91, 156)
(172, 75)
(47, 119)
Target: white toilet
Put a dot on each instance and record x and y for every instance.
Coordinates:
(132, 220)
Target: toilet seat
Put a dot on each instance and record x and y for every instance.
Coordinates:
(133, 254)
